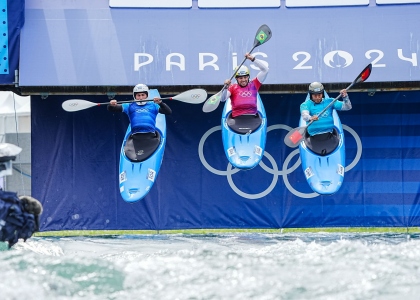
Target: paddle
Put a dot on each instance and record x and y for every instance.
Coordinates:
(296, 135)
(194, 96)
(262, 36)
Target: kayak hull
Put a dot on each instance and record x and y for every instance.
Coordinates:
(244, 151)
(137, 178)
(324, 174)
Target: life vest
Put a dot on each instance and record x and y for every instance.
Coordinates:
(15, 222)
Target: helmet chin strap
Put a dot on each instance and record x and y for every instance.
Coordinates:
(141, 102)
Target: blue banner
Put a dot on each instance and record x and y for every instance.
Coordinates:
(87, 43)
(12, 19)
(75, 159)
(4, 38)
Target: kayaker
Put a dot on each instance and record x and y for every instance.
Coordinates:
(144, 138)
(19, 216)
(322, 127)
(142, 114)
(243, 94)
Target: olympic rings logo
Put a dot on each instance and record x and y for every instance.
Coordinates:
(245, 94)
(325, 114)
(195, 96)
(285, 170)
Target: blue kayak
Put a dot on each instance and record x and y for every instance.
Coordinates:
(323, 162)
(137, 177)
(244, 136)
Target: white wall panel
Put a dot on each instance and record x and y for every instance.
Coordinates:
(237, 4)
(151, 3)
(313, 3)
(396, 1)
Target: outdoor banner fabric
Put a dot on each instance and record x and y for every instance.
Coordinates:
(12, 18)
(88, 43)
(75, 159)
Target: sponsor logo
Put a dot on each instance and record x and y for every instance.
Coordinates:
(338, 59)
(151, 175)
(123, 177)
(309, 173)
(258, 150)
(231, 151)
(340, 170)
(246, 94)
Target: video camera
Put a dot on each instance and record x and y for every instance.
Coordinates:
(8, 152)
(19, 216)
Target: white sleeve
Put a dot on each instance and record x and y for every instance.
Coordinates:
(305, 115)
(346, 103)
(225, 95)
(263, 66)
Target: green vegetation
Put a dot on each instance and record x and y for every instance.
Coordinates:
(229, 231)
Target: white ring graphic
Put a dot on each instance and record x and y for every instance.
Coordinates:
(245, 94)
(359, 148)
(282, 172)
(274, 170)
(201, 154)
(259, 195)
(195, 96)
(286, 180)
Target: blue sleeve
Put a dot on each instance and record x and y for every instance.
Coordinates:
(338, 105)
(125, 107)
(304, 106)
(156, 107)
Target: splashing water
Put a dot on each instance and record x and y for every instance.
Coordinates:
(234, 266)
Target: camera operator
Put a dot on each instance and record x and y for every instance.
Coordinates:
(19, 216)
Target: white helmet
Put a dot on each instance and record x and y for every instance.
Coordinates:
(243, 71)
(140, 88)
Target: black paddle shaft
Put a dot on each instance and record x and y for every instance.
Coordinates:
(257, 42)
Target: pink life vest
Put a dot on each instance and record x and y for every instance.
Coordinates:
(244, 99)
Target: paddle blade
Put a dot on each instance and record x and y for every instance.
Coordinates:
(263, 35)
(212, 103)
(294, 137)
(77, 104)
(364, 74)
(194, 96)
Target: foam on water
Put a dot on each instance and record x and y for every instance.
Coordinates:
(237, 266)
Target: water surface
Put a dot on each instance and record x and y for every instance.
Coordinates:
(222, 266)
